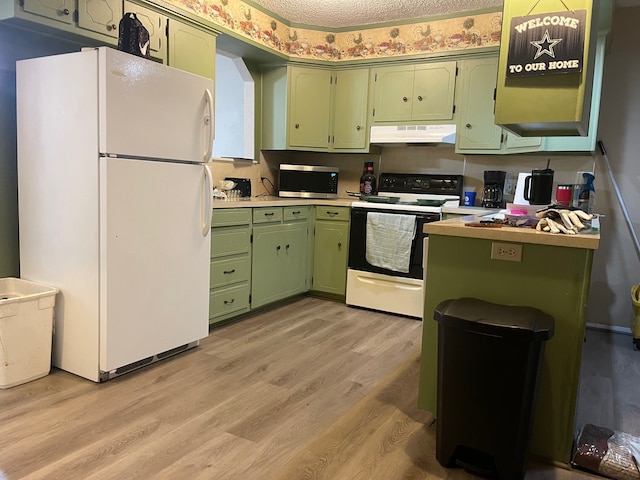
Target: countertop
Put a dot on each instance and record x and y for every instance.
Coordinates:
(270, 201)
(456, 227)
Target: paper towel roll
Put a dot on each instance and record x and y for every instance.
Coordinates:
(518, 197)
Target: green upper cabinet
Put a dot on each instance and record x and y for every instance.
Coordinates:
(588, 143)
(177, 44)
(562, 101)
(191, 49)
(59, 10)
(156, 23)
(90, 22)
(413, 93)
(309, 99)
(349, 129)
(315, 109)
(102, 16)
(476, 130)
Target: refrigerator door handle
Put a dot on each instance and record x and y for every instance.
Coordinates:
(210, 122)
(207, 201)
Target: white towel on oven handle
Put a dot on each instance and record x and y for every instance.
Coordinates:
(389, 240)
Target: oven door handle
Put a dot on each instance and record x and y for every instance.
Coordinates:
(395, 282)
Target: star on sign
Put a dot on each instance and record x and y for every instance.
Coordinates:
(545, 45)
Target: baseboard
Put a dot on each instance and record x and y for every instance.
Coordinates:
(609, 328)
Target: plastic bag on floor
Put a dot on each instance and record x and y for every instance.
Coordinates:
(604, 451)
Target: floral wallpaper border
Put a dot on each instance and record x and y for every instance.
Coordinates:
(427, 37)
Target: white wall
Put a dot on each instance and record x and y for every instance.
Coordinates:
(617, 263)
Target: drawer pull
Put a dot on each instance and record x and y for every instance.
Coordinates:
(269, 214)
(288, 246)
(278, 247)
(297, 212)
(332, 214)
(229, 302)
(229, 272)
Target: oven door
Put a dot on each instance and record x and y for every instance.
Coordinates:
(358, 242)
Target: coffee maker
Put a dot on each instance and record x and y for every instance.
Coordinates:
(493, 189)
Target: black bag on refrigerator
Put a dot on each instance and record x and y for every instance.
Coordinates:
(133, 37)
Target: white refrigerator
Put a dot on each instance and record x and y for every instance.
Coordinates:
(115, 205)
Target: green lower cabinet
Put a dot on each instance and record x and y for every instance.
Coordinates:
(280, 257)
(230, 273)
(551, 278)
(331, 250)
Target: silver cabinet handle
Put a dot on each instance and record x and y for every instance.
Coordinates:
(419, 98)
(65, 11)
(405, 99)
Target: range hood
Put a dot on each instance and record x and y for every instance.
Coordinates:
(412, 134)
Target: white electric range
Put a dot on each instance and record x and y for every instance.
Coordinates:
(399, 291)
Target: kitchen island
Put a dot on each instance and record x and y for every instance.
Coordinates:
(553, 275)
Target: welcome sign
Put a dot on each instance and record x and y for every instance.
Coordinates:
(548, 43)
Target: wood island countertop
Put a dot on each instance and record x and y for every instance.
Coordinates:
(455, 227)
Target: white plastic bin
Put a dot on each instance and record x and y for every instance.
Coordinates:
(26, 328)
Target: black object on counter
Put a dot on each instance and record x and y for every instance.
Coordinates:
(368, 183)
(489, 358)
(243, 185)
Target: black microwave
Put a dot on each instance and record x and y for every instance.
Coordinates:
(308, 181)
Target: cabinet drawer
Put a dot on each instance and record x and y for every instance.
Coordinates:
(267, 215)
(223, 217)
(228, 300)
(295, 213)
(230, 241)
(332, 213)
(229, 271)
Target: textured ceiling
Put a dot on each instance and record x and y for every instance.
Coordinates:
(350, 13)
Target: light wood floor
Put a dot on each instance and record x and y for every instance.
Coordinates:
(310, 390)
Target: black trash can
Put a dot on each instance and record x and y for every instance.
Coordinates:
(489, 356)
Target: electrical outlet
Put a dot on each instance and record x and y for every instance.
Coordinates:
(511, 252)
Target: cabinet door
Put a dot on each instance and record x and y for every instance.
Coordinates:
(191, 50)
(295, 259)
(309, 107)
(101, 16)
(433, 91)
(350, 109)
(330, 257)
(476, 130)
(393, 93)
(61, 10)
(157, 26)
(267, 276)
(515, 143)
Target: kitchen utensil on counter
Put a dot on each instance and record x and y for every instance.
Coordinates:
(538, 186)
(492, 193)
